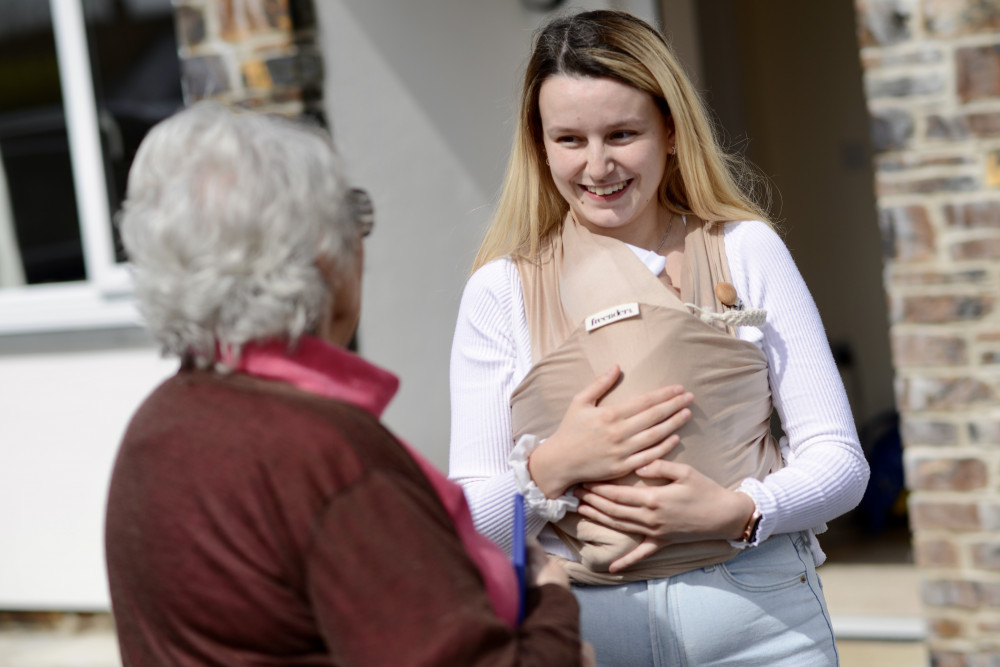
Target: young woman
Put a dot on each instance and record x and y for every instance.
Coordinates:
(623, 236)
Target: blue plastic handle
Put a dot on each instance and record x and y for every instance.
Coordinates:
(520, 555)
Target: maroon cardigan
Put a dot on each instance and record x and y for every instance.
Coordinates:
(251, 523)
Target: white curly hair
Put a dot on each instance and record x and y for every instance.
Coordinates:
(225, 215)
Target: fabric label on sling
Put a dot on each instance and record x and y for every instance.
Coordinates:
(614, 314)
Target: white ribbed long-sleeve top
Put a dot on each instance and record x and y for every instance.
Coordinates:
(826, 472)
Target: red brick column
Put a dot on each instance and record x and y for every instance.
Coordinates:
(932, 81)
(258, 54)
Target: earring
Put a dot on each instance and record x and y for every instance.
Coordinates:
(673, 149)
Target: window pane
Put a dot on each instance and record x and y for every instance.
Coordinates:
(39, 229)
(136, 77)
(137, 80)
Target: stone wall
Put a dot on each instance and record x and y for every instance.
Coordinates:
(259, 54)
(932, 81)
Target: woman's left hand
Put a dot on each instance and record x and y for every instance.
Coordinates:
(687, 508)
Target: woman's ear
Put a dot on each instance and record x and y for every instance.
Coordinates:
(344, 283)
(325, 267)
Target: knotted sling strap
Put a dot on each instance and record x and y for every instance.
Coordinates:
(581, 279)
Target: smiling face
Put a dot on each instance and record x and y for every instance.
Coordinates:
(607, 146)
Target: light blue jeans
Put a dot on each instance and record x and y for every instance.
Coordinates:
(763, 607)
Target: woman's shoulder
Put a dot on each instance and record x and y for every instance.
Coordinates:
(495, 270)
(753, 233)
(754, 242)
(497, 280)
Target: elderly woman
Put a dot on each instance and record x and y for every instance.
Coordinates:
(259, 513)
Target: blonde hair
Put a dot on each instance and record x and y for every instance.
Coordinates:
(701, 179)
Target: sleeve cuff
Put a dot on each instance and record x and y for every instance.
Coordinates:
(550, 509)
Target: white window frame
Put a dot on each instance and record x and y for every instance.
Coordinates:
(104, 299)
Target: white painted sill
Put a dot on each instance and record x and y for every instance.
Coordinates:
(77, 306)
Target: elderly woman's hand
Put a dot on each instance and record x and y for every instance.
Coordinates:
(543, 569)
(687, 508)
(596, 442)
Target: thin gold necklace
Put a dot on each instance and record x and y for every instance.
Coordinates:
(666, 231)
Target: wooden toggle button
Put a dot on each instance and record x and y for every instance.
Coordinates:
(726, 293)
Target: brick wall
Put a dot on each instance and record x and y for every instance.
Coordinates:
(259, 54)
(932, 81)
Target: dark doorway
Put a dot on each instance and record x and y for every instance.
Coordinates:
(784, 79)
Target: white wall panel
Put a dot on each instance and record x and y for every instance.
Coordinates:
(61, 418)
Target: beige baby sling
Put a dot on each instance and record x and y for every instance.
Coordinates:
(580, 279)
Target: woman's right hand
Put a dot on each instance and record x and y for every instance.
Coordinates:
(596, 443)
